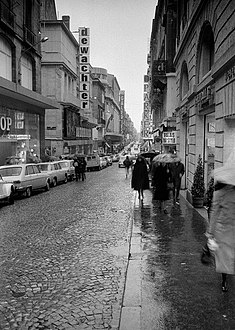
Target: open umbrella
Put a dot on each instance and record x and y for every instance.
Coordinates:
(149, 154)
(164, 158)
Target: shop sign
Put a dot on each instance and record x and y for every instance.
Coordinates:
(84, 59)
(5, 123)
(205, 98)
(169, 137)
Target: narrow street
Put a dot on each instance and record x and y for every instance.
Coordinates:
(65, 262)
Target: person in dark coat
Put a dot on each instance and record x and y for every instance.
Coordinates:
(76, 167)
(177, 171)
(161, 176)
(82, 168)
(140, 179)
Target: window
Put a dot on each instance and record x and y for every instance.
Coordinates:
(184, 81)
(5, 59)
(26, 72)
(206, 51)
(29, 170)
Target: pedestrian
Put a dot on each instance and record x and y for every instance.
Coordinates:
(140, 179)
(222, 225)
(127, 163)
(82, 168)
(177, 171)
(161, 176)
(76, 168)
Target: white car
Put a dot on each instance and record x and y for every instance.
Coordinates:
(25, 177)
(68, 165)
(7, 191)
(54, 170)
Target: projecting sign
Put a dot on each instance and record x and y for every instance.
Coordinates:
(169, 137)
(84, 60)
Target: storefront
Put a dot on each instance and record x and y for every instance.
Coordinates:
(22, 124)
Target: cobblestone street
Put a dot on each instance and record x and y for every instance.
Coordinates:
(64, 254)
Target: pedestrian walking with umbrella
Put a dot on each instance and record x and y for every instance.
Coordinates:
(161, 177)
(140, 179)
(221, 229)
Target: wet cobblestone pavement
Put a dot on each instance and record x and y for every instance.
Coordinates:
(63, 255)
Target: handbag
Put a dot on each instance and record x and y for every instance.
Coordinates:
(207, 258)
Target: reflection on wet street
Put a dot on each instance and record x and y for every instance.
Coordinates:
(178, 292)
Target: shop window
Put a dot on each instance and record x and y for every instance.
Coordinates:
(184, 81)
(206, 52)
(26, 72)
(5, 59)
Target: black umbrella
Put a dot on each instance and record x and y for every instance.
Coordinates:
(149, 154)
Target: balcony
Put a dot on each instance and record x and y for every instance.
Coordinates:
(7, 16)
(29, 36)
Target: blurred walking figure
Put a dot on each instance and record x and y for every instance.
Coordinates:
(140, 179)
(76, 167)
(82, 168)
(161, 176)
(177, 171)
(127, 163)
(222, 221)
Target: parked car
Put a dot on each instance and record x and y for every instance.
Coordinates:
(93, 162)
(116, 157)
(54, 170)
(123, 157)
(25, 177)
(109, 160)
(68, 165)
(7, 191)
(103, 162)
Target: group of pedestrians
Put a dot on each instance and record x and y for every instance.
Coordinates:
(80, 168)
(165, 177)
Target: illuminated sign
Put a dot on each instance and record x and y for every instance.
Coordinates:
(84, 60)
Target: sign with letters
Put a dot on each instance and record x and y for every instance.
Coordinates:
(84, 60)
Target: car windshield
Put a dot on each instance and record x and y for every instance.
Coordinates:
(10, 171)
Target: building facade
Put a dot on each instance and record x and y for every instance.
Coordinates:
(204, 66)
(69, 130)
(22, 107)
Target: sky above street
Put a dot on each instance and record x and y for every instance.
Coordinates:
(120, 32)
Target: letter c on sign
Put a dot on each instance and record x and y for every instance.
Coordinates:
(84, 68)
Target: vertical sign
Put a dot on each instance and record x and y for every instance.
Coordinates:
(84, 63)
(147, 117)
(122, 107)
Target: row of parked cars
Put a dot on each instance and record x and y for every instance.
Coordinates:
(23, 179)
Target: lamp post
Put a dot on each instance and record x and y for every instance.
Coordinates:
(18, 80)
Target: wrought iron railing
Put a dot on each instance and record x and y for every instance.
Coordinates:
(29, 36)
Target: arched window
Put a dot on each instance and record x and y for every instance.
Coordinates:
(206, 51)
(26, 72)
(184, 81)
(5, 59)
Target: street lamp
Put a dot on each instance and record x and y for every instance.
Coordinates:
(18, 81)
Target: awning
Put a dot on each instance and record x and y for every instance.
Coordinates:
(17, 94)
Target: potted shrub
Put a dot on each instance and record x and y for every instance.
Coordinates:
(198, 187)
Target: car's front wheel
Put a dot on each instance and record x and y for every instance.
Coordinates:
(11, 199)
(28, 192)
(47, 186)
(54, 182)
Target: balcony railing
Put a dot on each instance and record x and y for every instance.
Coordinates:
(29, 36)
(6, 15)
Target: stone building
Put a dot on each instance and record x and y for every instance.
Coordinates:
(22, 107)
(69, 130)
(204, 66)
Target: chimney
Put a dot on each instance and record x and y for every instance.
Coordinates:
(66, 20)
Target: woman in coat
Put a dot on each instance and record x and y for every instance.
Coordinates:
(160, 178)
(140, 179)
(222, 222)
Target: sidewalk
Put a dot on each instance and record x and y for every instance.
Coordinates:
(135, 312)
